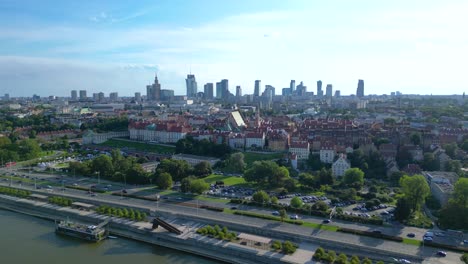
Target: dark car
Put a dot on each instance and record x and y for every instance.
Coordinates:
(376, 231)
(233, 208)
(124, 191)
(441, 253)
(411, 235)
(326, 221)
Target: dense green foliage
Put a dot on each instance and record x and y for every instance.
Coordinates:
(128, 213)
(14, 192)
(455, 213)
(18, 150)
(178, 169)
(267, 173)
(164, 181)
(59, 200)
(114, 167)
(217, 232)
(354, 177)
(203, 147)
(103, 124)
(416, 190)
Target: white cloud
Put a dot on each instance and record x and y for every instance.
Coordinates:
(390, 49)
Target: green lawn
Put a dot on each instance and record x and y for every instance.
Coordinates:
(410, 241)
(228, 180)
(115, 143)
(250, 157)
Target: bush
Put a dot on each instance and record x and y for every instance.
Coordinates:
(319, 253)
(14, 192)
(58, 200)
(123, 213)
(464, 258)
(212, 208)
(217, 232)
(289, 247)
(268, 217)
(276, 245)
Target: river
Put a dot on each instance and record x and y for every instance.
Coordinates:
(26, 239)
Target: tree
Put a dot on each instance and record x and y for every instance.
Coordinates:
(416, 138)
(354, 177)
(314, 162)
(429, 162)
(355, 260)
(325, 177)
(103, 165)
(235, 163)
(202, 169)
(296, 202)
(28, 149)
(307, 180)
(342, 259)
(319, 253)
(261, 197)
(288, 247)
(415, 189)
(198, 186)
(178, 169)
(320, 206)
(403, 157)
(282, 214)
(460, 193)
(164, 181)
(395, 177)
(290, 184)
(266, 172)
(451, 149)
(185, 183)
(274, 200)
(366, 261)
(464, 145)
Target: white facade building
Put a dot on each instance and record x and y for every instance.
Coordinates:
(340, 166)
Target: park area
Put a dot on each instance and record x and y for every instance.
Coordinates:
(122, 144)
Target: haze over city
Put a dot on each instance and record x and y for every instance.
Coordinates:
(52, 47)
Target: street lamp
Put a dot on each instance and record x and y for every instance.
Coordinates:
(99, 176)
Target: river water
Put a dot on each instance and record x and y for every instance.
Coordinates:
(26, 239)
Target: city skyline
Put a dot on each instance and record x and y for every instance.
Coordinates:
(53, 48)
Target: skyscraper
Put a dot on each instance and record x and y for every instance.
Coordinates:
(83, 95)
(137, 97)
(222, 89)
(337, 93)
(208, 91)
(329, 90)
(153, 91)
(257, 88)
(292, 85)
(6, 97)
(238, 91)
(301, 89)
(74, 95)
(114, 96)
(101, 96)
(191, 84)
(360, 89)
(319, 88)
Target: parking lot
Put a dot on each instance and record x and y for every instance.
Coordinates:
(230, 191)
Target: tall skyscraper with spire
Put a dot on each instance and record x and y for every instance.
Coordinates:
(191, 84)
(153, 91)
(360, 89)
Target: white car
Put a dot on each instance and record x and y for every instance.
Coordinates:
(405, 261)
(295, 217)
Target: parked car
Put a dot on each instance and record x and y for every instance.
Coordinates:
(411, 235)
(295, 217)
(441, 253)
(326, 221)
(404, 261)
(275, 213)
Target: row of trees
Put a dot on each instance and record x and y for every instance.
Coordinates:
(455, 213)
(287, 247)
(122, 212)
(217, 232)
(14, 192)
(331, 257)
(59, 200)
(415, 190)
(203, 147)
(269, 173)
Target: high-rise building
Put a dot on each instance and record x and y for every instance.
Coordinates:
(269, 91)
(96, 96)
(238, 91)
(360, 89)
(83, 95)
(6, 97)
(222, 89)
(329, 90)
(101, 96)
(208, 91)
(153, 91)
(292, 85)
(191, 84)
(319, 88)
(113, 96)
(337, 93)
(301, 89)
(74, 95)
(257, 88)
(167, 94)
(137, 97)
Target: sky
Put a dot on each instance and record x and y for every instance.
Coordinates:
(52, 47)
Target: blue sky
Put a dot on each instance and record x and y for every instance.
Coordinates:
(52, 47)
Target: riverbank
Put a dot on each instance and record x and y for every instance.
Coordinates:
(188, 241)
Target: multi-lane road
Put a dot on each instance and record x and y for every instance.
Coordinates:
(174, 206)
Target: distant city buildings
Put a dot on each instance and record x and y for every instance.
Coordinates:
(329, 91)
(360, 89)
(222, 89)
(208, 91)
(319, 89)
(257, 88)
(292, 86)
(74, 95)
(137, 97)
(191, 85)
(238, 91)
(83, 95)
(153, 91)
(301, 89)
(114, 96)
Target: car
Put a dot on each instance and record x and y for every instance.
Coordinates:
(75, 184)
(404, 261)
(49, 187)
(427, 239)
(93, 194)
(465, 241)
(440, 234)
(411, 235)
(295, 217)
(233, 208)
(326, 221)
(376, 231)
(125, 191)
(394, 260)
(441, 253)
(275, 213)
(108, 186)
